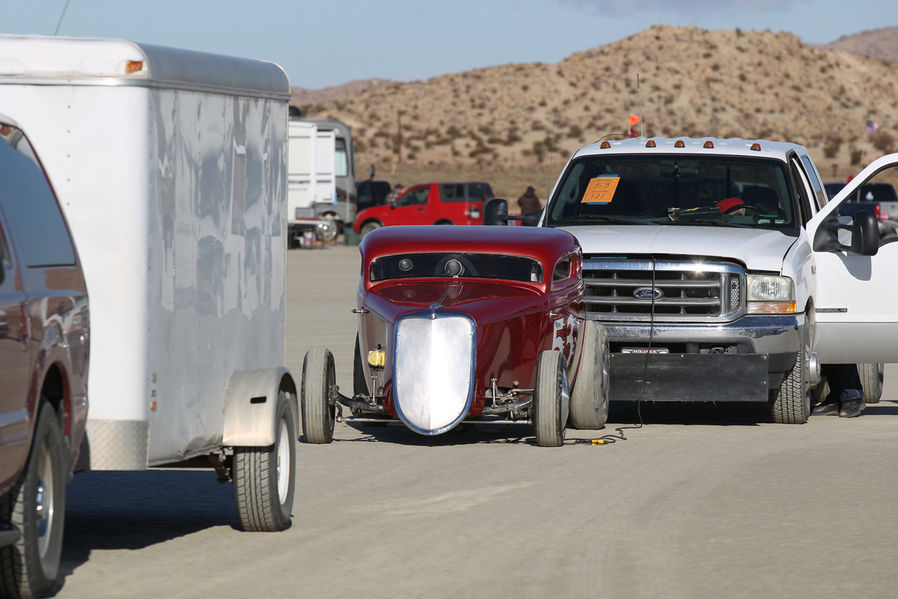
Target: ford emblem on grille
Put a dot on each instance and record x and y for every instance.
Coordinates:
(647, 293)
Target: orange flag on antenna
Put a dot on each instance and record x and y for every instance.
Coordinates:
(634, 120)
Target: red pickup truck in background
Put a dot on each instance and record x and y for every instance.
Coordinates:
(429, 204)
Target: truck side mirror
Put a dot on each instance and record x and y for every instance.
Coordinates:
(531, 219)
(864, 235)
(495, 212)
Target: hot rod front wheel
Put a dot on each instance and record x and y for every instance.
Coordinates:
(551, 399)
(589, 397)
(318, 412)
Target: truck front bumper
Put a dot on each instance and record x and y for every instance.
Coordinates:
(738, 361)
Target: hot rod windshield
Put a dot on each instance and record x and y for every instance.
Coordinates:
(685, 190)
(456, 264)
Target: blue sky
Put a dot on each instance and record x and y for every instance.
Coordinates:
(330, 42)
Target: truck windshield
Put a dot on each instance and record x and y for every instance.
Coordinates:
(341, 160)
(679, 190)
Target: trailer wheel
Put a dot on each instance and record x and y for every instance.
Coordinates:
(264, 477)
(317, 411)
(871, 380)
(551, 398)
(36, 506)
(791, 403)
(589, 397)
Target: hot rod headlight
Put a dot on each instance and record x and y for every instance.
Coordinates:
(770, 294)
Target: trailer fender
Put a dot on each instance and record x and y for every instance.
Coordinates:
(251, 406)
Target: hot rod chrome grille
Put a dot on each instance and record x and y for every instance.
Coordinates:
(687, 290)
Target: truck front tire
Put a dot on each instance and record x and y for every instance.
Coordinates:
(371, 225)
(36, 506)
(791, 403)
(589, 397)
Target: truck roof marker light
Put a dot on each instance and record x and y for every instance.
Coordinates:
(650, 143)
(708, 145)
(680, 144)
(605, 145)
(755, 147)
(133, 66)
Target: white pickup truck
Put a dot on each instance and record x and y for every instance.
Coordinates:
(721, 271)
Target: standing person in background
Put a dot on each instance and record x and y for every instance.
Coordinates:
(529, 202)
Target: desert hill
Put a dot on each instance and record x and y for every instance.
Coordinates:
(694, 82)
(302, 97)
(880, 44)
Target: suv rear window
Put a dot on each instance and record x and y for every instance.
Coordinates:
(30, 205)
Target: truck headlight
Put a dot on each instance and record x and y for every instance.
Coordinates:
(769, 294)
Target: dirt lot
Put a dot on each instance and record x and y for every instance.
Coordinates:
(701, 501)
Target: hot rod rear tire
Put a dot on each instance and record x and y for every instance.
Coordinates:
(589, 396)
(550, 399)
(318, 413)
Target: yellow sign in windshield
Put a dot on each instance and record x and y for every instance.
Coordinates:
(600, 190)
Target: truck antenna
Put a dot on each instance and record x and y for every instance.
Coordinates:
(59, 24)
(639, 98)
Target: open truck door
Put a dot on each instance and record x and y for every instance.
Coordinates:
(856, 279)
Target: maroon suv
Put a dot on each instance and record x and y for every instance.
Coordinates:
(44, 347)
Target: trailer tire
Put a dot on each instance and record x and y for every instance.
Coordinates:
(791, 403)
(369, 226)
(36, 506)
(264, 477)
(550, 398)
(318, 413)
(589, 397)
(871, 380)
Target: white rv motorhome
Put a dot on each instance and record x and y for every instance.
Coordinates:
(171, 167)
(311, 183)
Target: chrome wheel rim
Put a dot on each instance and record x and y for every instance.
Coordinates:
(283, 461)
(44, 500)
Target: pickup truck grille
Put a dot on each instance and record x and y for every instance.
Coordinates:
(684, 290)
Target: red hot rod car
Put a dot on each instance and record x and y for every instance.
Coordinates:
(476, 324)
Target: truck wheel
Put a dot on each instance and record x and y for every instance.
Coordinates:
(317, 412)
(264, 477)
(36, 506)
(589, 397)
(550, 399)
(791, 403)
(371, 225)
(871, 380)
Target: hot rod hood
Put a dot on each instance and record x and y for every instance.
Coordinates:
(760, 250)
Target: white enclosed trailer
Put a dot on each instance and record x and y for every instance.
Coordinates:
(171, 168)
(311, 180)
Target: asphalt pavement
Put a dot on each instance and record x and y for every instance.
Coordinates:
(697, 501)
